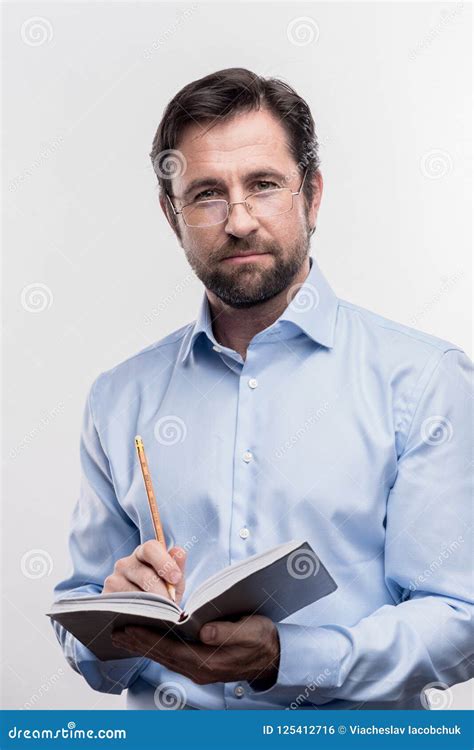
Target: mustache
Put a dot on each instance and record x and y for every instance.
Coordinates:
(245, 246)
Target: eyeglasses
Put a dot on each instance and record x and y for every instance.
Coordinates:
(208, 213)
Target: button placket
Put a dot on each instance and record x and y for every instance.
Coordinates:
(241, 541)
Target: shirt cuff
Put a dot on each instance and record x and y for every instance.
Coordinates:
(111, 676)
(310, 660)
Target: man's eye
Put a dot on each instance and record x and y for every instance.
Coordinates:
(267, 185)
(204, 194)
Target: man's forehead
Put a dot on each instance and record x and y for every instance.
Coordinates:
(246, 136)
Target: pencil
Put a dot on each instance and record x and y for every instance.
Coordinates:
(152, 503)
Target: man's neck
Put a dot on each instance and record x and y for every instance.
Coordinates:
(235, 328)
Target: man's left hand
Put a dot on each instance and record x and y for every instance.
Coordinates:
(248, 649)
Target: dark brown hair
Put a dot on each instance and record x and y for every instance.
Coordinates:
(221, 95)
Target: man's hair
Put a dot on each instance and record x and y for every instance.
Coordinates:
(220, 96)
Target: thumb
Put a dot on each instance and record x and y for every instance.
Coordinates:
(179, 556)
(244, 632)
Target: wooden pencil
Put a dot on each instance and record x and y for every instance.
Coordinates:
(152, 503)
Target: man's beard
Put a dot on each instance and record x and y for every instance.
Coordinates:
(244, 284)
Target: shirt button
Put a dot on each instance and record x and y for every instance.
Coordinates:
(243, 533)
(239, 692)
(216, 348)
(253, 382)
(247, 456)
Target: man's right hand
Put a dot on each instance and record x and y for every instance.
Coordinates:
(147, 569)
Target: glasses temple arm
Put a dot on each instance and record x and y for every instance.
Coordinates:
(302, 183)
(171, 204)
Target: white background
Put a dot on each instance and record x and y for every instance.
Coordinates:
(84, 90)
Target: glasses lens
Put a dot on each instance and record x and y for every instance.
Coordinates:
(270, 202)
(205, 213)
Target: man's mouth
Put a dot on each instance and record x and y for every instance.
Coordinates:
(245, 257)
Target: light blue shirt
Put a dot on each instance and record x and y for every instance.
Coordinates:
(341, 428)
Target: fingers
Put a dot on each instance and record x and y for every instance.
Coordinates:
(115, 583)
(149, 569)
(245, 632)
(154, 554)
(145, 578)
(177, 655)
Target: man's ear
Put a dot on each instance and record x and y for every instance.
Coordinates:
(167, 210)
(313, 209)
(170, 216)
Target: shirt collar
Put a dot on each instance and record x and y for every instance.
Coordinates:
(312, 310)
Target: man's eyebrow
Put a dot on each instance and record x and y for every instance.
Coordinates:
(216, 182)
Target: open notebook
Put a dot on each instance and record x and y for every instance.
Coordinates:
(274, 583)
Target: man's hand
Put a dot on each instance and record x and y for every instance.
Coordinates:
(147, 569)
(229, 651)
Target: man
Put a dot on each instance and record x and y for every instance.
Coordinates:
(281, 413)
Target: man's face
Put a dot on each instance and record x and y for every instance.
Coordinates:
(223, 159)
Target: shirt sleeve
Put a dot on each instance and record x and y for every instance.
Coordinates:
(101, 532)
(425, 636)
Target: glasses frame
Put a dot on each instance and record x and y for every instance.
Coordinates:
(233, 203)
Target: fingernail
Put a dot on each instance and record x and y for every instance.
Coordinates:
(209, 633)
(175, 576)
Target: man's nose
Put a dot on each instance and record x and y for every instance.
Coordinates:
(240, 221)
